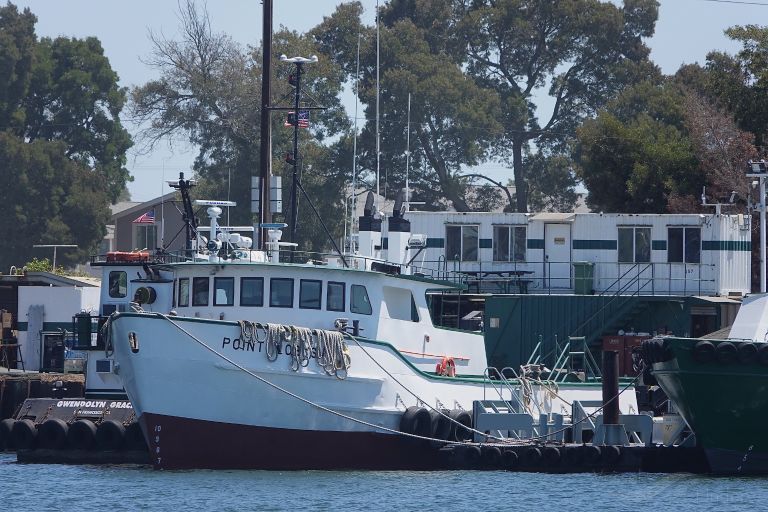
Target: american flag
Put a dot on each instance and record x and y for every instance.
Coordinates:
(147, 218)
(303, 119)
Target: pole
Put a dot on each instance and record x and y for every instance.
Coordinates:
(353, 212)
(610, 387)
(265, 158)
(294, 191)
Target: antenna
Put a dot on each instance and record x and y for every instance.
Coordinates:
(408, 156)
(378, 150)
(353, 211)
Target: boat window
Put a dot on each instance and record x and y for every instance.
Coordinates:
(200, 291)
(634, 245)
(335, 298)
(223, 291)
(684, 245)
(399, 304)
(359, 302)
(184, 292)
(118, 284)
(461, 243)
(310, 293)
(509, 243)
(252, 291)
(281, 292)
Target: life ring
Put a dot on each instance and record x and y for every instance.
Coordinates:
(446, 367)
(82, 435)
(52, 434)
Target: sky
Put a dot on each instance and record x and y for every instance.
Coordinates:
(686, 31)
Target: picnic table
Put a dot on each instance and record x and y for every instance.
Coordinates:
(502, 278)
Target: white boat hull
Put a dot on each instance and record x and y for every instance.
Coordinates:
(203, 402)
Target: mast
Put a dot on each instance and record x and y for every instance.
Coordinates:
(353, 212)
(408, 156)
(265, 158)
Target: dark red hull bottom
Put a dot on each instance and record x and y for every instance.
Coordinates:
(183, 443)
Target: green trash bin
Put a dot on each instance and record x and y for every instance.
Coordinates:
(583, 277)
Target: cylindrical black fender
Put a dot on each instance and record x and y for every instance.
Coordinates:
(52, 434)
(611, 455)
(532, 457)
(725, 353)
(509, 459)
(110, 435)
(573, 456)
(747, 353)
(82, 435)
(24, 434)
(491, 456)
(469, 455)
(416, 420)
(592, 454)
(762, 354)
(704, 352)
(6, 434)
(134, 437)
(460, 425)
(551, 455)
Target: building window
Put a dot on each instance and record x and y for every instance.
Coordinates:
(634, 245)
(461, 243)
(359, 302)
(334, 300)
(145, 236)
(684, 245)
(118, 284)
(310, 293)
(183, 292)
(200, 287)
(252, 291)
(281, 292)
(223, 291)
(509, 243)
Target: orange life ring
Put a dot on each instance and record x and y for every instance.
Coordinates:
(446, 367)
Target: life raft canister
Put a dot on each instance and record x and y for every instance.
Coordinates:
(446, 367)
(128, 257)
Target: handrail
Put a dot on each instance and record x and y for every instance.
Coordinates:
(504, 382)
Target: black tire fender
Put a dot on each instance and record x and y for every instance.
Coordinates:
(110, 435)
(726, 353)
(551, 455)
(509, 459)
(532, 456)
(6, 434)
(416, 421)
(491, 455)
(82, 435)
(747, 353)
(52, 434)
(460, 425)
(704, 352)
(24, 434)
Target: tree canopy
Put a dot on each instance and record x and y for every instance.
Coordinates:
(62, 144)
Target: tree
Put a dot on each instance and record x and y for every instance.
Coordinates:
(585, 51)
(62, 147)
(551, 183)
(454, 122)
(47, 198)
(208, 92)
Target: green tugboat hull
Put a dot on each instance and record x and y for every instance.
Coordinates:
(722, 392)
